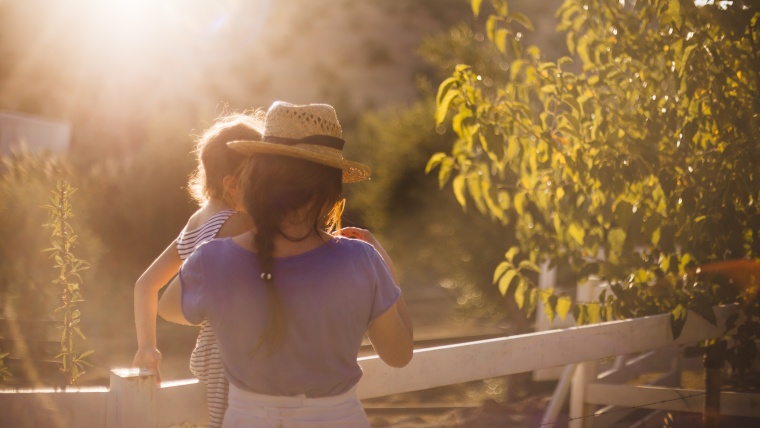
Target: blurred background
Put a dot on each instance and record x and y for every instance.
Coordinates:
(108, 94)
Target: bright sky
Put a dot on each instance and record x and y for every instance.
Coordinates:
(112, 49)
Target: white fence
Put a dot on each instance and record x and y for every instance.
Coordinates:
(134, 401)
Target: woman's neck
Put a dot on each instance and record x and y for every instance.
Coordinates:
(292, 241)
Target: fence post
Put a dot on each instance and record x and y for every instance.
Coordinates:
(558, 398)
(132, 400)
(581, 413)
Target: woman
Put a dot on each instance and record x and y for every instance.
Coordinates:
(288, 301)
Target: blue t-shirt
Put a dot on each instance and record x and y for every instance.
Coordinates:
(329, 295)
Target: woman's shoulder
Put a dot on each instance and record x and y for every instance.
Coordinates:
(355, 247)
(214, 248)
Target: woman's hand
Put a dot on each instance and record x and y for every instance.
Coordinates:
(148, 359)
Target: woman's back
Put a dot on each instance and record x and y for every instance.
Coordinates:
(329, 296)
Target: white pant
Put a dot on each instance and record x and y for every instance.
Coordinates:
(251, 410)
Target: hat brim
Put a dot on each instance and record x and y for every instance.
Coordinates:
(352, 171)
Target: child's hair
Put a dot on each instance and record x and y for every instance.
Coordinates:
(274, 187)
(215, 159)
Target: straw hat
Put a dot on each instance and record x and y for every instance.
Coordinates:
(310, 132)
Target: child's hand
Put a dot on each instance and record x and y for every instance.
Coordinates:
(357, 233)
(148, 359)
(367, 236)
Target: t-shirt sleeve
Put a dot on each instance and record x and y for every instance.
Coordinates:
(192, 286)
(386, 290)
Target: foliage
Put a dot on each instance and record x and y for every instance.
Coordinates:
(4, 372)
(638, 163)
(26, 178)
(25, 181)
(62, 240)
(430, 238)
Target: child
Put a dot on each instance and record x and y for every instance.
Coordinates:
(214, 185)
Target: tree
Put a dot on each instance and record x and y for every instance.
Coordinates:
(636, 161)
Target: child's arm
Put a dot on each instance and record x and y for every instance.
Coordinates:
(152, 280)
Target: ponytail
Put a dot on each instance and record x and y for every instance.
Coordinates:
(275, 186)
(263, 242)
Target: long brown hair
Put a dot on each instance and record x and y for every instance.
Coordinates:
(276, 186)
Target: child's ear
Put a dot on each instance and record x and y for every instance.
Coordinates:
(231, 184)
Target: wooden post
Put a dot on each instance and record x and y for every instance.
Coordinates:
(712, 363)
(582, 413)
(558, 398)
(132, 400)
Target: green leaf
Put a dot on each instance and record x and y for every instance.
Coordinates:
(85, 354)
(501, 268)
(518, 202)
(459, 185)
(532, 301)
(445, 171)
(529, 265)
(549, 299)
(564, 304)
(444, 88)
(677, 320)
(549, 89)
(511, 253)
(506, 280)
(616, 239)
(435, 159)
(674, 11)
(491, 26)
(514, 68)
(582, 49)
(522, 287)
(522, 19)
(500, 38)
(475, 4)
(577, 233)
(443, 107)
(592, 309)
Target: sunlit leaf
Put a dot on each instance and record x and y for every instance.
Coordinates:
(522, 286)
(677, 320)
(592, 311)
(458, 184)
(576, 232)
(475, 4)
(529, 265)
(522, 19)
(443, 106)
(549, 299)
(434, 161)
(506, 280)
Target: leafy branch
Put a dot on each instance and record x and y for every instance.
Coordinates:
(68, 281)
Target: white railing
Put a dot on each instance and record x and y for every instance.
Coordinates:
(134, 401)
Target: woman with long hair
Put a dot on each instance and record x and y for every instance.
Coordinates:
(291, 300)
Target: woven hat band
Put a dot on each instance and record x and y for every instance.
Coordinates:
(314, 140)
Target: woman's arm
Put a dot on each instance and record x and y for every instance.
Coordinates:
(147, 286)
(392, 333)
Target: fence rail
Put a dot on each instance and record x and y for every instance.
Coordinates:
(134, 401)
